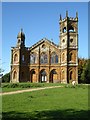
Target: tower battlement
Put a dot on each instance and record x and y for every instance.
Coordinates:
(69, 18)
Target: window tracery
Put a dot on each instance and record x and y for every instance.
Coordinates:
(33, 58)
(54, 58)
(44, 58)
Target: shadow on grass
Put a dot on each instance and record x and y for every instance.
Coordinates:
(68, 114)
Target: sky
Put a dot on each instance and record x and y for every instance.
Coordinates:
(40, 20)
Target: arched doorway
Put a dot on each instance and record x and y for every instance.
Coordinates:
(53, 76)
(43, 76)
(32, 76)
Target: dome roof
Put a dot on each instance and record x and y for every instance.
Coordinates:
(21, 34)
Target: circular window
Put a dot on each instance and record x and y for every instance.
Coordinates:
(43, 46)
(71, 40)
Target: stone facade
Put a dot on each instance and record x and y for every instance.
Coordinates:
(45, 61)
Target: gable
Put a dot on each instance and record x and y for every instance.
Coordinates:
(44, 45)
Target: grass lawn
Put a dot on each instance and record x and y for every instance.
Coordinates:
(67, 103)
(8, 87)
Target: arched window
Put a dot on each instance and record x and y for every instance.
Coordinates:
(64, 29)
(71, 40)
(62, 74)
(19, 40)
(63, 56)
(15, 58)
(43, 76)
(71, 29)
(70, 57)
(54, 58)
(33, 58)
(14, 75)
(71, 75)
(43, 58)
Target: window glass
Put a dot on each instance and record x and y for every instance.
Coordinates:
(43, 58)
(54, 58)
(33, 58)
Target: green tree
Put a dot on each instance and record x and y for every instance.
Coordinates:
(81, 69)
(87, 72)
(6, 77)
(84, 71)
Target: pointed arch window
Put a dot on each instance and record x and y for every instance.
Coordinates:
(64, 29)
(70, 56)
(14, 75)
(63, 57)
(43, 76)
(54, 58)
(62, 74)
(71, 75)
(15, 58)
(71, 29)
(33, 58)
(43, 58)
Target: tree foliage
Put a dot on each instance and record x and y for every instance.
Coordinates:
(87, 72)
(83, 70)
(6, 77)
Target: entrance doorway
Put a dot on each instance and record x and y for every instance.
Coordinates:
(53, 76)
(32, 76)
(43, 76)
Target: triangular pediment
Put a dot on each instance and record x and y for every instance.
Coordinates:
(42, 41)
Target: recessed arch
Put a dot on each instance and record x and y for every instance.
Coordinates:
(71, 29)
(63, 74)
(71, 75)
(32, 75)
(53, 76)
(63, 56)
(70, 56)
(15, 75)
(15, 58)
(43, 76)
(64, 29)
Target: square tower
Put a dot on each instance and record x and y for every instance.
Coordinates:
(69, 48)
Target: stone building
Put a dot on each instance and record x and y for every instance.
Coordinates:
(45, 61)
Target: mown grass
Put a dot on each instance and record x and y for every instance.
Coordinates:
(67, 103)
(7, 87)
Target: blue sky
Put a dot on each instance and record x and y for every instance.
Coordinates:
(40, 20)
